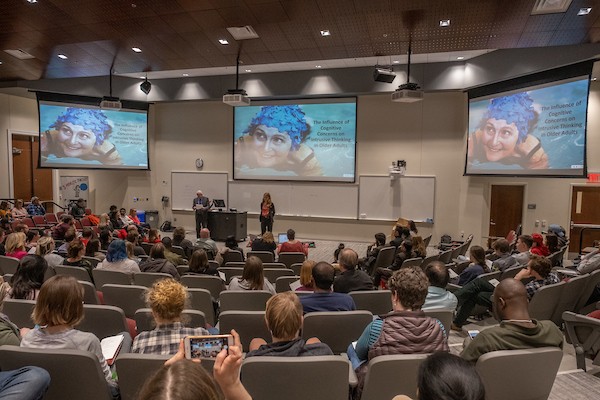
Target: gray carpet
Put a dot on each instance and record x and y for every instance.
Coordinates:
(576, 385)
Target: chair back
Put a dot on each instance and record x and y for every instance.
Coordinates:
(79, 273)
(428, 260)
(282, 284)
(517, 367)
(377, 302)
(244, 300)
(147, 279)
(445, 256)
(39, 220)
(213, 284)
(144, 321)
(412, 262)
(182, 269)
(296, 267)
(103, 321)
(129, 298)
(584, 333)
(273, 273)
(569, 297)
(60, 213)
(265, 256)
(544, 301)
(276, 265)
(488, 276)
(230, 272)
(296, 377)
(28, 221)
(93, 260)
(85, 221)
(74, 374)
(337, 329)
(201, 300)
(19, 312)
(179, 250)
(249, 324)
(147, 247)
(381, 381)
(8, 265)
(134, 369)
(510, 272)
(589, 289)
(103, 277)
(289, 258)
(234, 264)
(456, 252)
(51, 218)
(427, 240)
(444, 316)
(90, 296)
(232, 255)
(385, 257)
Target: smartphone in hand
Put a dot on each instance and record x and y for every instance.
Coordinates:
(206, 346)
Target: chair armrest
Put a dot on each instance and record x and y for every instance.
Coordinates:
(352, 378)
(451, 287)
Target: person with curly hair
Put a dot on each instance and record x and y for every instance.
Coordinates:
(274, 140)
(81, 133)
(167, 299)
(504, 134)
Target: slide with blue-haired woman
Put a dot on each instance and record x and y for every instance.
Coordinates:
(541, 129)
(307, 141)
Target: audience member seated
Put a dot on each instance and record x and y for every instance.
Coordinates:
(2, 247)
(133, 238)
(475, 268)
(336, 252)
(21, 228)
(18, 210)
(444, 376)
(523, 246)
(115, 218)
(323, 299)
(418, 246)
(504, 260)
(437, 295)
(92, 249)
(45, 248)
(265, 243)
(252, 277)
(105, 239)
(306, 278)
(199, 265)
(404, 252)
(560, 233)
(182, 379)
(180, 240)
(117, 260)
(31, 239)
(105, 223)
(551, 241)
(174, 258)
(400, 234)
(153, 236)
(4, 210)
(539, 248)
(351, 279)
(283, 317)
(405, 330)
(27, 281)
(124, 218)
(35, 208)
(292, 245)
(9, 332)
(516, 330)
(70, 235)
(367, 263)
(589, 263)
(59, 308)
(78, 209)
(59, 231)
(158, 263)
(15, 245)
(75, 253)
(480, 291)
(25, 383)
(206, 243)
(86, 235)
(231, 243)
(167, 299)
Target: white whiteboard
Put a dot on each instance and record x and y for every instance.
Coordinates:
(185, 184)
(410, 197)
(297, 199)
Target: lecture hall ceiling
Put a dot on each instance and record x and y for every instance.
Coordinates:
(182, 35)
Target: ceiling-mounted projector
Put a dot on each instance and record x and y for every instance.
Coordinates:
(110, 103)
(407, 93)
(236, 98)
(382, 74)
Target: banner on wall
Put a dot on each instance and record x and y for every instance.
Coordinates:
(73, 188)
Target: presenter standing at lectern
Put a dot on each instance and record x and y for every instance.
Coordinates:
(267, 214)
(201, 207)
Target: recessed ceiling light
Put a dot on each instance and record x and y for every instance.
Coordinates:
(186, 74)
(460, 58)
(223, 41)
(142, 77)
(0, 62)
(136, 49)
(32, 1)
(317, 66)
(584, 11)
(248, 70)
(396, 61)
(62, 57)
(594, 78)
(444, 22)
(325, 32)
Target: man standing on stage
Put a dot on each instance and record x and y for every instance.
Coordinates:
(201, 207)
